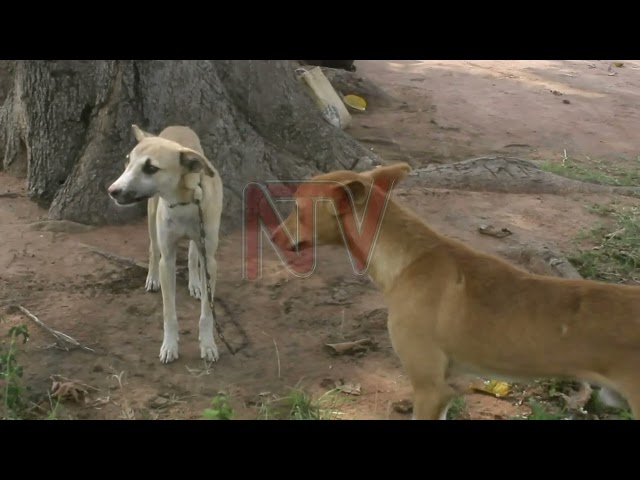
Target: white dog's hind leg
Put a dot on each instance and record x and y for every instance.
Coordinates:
(169, 349)
(195, 281)
(153, 281)
(208, 347)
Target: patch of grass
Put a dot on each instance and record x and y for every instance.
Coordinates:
(598, 407)
(12, 403)
(597, 172)
(220, 409)
(457, 409)
(615, 257)
(540, 412)
(602, 210)
(53, 413)
(625, 415)
(299, 405)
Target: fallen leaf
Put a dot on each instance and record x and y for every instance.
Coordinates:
(348, 388)
(494, 232)
(98, 402)
(618, 64)
(493, 387)
(66, 390)
(350, 348)
(159, 403)
(555, 92)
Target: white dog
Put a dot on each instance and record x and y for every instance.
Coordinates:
(171, 172)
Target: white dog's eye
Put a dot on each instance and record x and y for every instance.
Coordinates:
(149, 169)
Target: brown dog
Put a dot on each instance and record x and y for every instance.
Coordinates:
(456, 310)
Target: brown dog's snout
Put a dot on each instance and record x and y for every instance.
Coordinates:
(282, 241)
(279, 238)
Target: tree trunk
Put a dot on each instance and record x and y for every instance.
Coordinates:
(507, 175)
(66, 126)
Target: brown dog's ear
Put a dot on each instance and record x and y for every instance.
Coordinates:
(195, 162)
(139, 133)
(391, 173)
(353, 191)
(357, 190)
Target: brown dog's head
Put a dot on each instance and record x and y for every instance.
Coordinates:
(325, 205)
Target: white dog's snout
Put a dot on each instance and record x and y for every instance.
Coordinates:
(113, 189)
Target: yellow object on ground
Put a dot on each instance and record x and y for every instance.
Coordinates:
(356, 102)
(493, 387)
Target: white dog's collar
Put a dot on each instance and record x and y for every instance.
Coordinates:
(173, 205)
(196, 198)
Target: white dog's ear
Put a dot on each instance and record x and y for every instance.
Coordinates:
(195, 162)
(140, 134)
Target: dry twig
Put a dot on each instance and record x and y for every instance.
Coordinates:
(277, 353)
(116, 258)
(62, 339)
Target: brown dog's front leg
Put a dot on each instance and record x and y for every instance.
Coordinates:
(426, 367)
(431, 402)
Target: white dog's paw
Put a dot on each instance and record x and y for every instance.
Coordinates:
(194, 290)
(169, 351)
(153, 283)
(209, 351)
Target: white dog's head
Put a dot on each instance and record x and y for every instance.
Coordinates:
(156, 166)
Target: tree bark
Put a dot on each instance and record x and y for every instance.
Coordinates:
(66, 127)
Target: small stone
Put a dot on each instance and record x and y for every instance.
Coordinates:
(403, 406)
(159, 402)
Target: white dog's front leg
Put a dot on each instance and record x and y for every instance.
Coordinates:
(169, 349)
(208, 348)
(153, 282)
(195, 281)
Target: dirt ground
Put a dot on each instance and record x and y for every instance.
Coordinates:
(539, 110)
